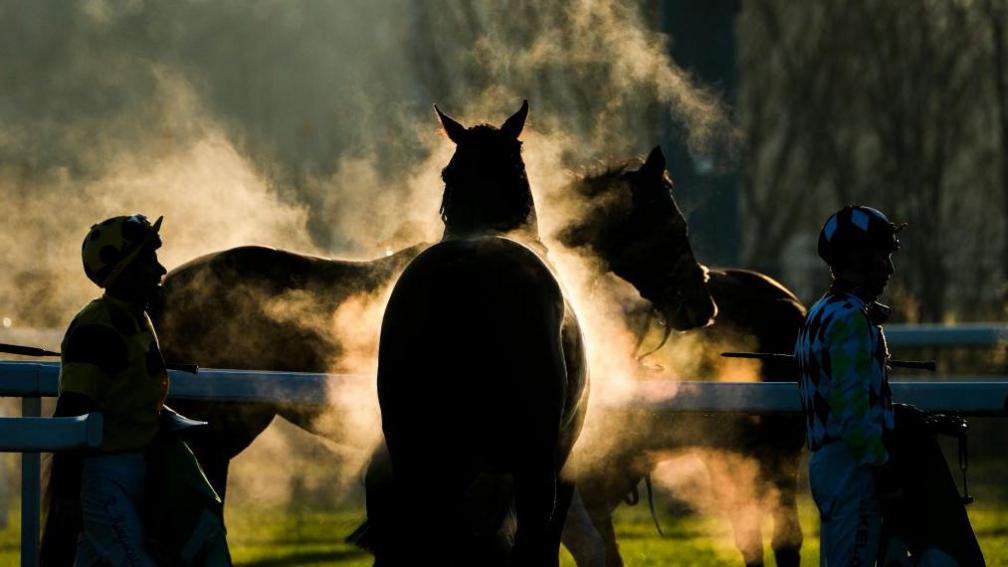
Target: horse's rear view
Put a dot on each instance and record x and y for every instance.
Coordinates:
(480, 375)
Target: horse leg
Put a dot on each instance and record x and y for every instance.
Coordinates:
(581, 538)
(379, 503)
(737, 496)
(214, 451)
(564, 496)
(778, 442)
(600, 493)
(748, 539)
(230, 430)
(536, 490)
(787, 533)
(426, 514)
(604, 524)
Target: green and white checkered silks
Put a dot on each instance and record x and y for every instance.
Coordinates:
(841, 358)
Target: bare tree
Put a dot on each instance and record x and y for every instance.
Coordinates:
(885, 104)
(996, 12)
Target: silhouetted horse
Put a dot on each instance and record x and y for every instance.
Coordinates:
(480, 373)
(251, 308)
(633, 224)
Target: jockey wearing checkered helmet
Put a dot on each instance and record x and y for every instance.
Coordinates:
(857, 228)
(856, 242)
(841, 354)
(851, 236)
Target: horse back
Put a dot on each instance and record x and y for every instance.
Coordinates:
(763, 314)
(471, 351)
(261, 308)
(751, 290)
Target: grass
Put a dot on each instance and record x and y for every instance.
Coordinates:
(274, 537)
(267, 532)
(278, 537)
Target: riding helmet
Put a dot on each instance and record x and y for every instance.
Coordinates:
(857, 228)
(112, 244)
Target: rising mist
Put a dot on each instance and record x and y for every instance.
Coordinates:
(308, 126)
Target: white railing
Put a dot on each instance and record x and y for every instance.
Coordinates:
(49, 434)
(972, 395)
(32, 434)
(939, 335)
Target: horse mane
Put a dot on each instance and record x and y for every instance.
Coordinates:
(631, 222)
(594, 180)
(470, 204)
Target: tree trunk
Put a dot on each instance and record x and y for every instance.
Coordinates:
(996, 17)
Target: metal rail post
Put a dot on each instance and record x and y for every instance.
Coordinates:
(31, 502)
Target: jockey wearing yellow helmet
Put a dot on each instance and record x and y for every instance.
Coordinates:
(112, 364)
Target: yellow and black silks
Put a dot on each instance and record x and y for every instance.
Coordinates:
(111, 355)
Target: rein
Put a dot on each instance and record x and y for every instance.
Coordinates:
(643, 335)
(676, 305)
(633, 497)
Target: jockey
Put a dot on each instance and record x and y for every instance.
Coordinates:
(111, 364)
(841, 354)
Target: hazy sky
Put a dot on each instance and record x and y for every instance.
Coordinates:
(295, 123)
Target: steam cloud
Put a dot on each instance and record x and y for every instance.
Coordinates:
(308, 126)
(298, 124)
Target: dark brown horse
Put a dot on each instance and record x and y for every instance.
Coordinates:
(633, 224)
(258, 308)
(480, 372)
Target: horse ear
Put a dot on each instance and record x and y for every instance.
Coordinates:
(516, 122)
(654, 165)
(454, 130)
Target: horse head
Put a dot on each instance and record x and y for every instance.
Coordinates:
(632, 223)
(486, 189)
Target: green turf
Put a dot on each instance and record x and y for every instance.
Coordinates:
(314, 538)
(10, 539)
(299, 538)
